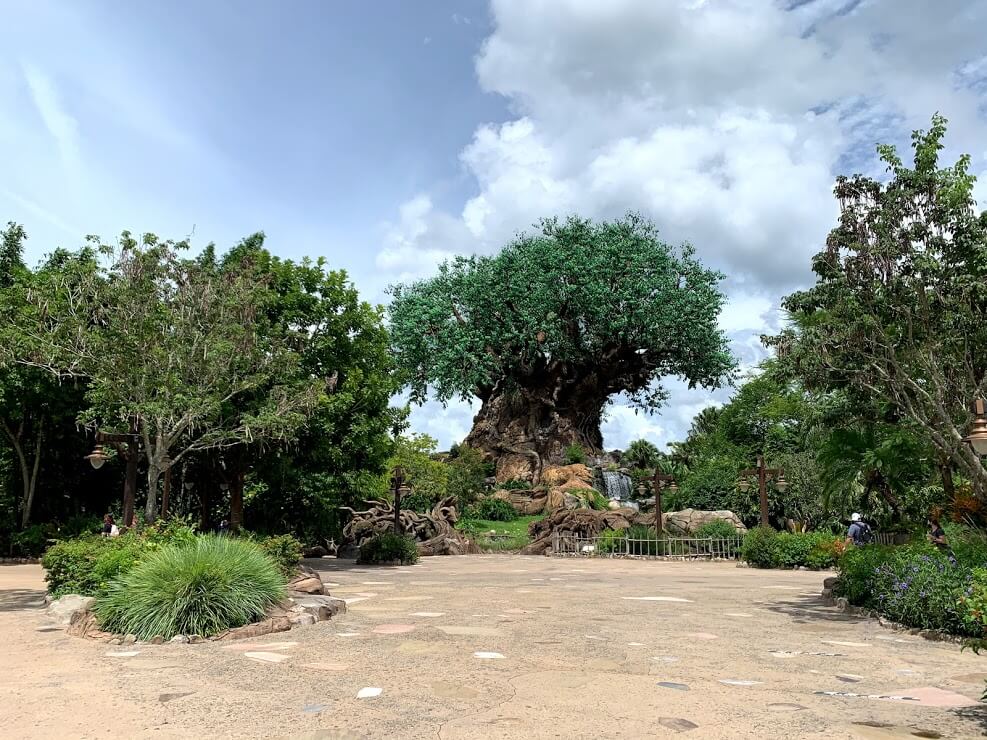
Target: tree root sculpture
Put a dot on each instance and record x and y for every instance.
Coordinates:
(582, 522)
(434, 532)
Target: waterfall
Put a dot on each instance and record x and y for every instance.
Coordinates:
(617, 484)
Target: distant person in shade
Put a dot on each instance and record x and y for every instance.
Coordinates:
(109, 527)
(937, 535)
(224, 527)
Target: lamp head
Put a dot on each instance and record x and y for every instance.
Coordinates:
(97, 457)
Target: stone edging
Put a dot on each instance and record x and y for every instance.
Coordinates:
(19, 561)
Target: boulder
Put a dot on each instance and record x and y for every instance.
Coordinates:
(83, 623)
(686, 522)
(571, 501)
(62, 610)
(302, 619)
(567, 477)
(830, 582)
(320, 607)
(316, 551)
(525, 503)
(306, 581)
(513, 467)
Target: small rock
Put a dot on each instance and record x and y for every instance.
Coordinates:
(302, 620)
(179, 639)
(129, 639)
(842, 603)
(827, 593)
(157, 640)
(802, 567)
(115, 641)
(830, 582)
(195, 639)
(914, 631)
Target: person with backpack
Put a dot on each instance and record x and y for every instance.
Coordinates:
(859, 532)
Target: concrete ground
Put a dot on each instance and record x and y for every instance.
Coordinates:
(506, 647)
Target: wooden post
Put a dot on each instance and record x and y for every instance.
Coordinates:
(762, 482)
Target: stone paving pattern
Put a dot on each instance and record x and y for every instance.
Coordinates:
(507, 647)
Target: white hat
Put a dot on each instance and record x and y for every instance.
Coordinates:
(855, 517)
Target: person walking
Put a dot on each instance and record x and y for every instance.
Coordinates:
(859, 533)
(937, 535)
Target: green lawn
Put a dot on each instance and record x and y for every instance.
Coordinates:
(518, 531)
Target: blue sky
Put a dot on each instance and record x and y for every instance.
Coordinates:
(386, 136)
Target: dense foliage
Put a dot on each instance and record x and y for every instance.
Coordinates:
(920, 585)
(285, 551)
(493, 510)
(765, 548)
(388, 547)
(897, 318)
(202, 588)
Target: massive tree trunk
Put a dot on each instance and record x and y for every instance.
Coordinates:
(528, 429)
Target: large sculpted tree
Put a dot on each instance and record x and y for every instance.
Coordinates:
(546, 332)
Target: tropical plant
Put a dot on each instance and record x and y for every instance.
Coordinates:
(641, 454)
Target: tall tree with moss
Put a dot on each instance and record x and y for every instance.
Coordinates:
(549, 330)
(898, 314)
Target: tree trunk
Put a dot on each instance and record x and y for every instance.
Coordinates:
(151, 508)
(236, 501)
(527, 430)
(29, 471)
(946, 471)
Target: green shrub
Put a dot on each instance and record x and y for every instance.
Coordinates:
(598, 501)
(717, 530)
(856, 571)
(575, 454)
(417, 501)
(87, 565)
(973, 604)
(285, 551)
(388, 547)
(760, 548)
(172, 531)
(515, 484)
(611, 540)
(969, 544)
(641, 540)
(213, 584)
(494, 510)
(31, 542)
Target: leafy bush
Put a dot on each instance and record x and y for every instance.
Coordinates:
(467, 475)
(717, 530)
(417, 501)
(285, 551)
(87, 565)
(765, 548)
(969, 544)
(641, 540)
(388, 547)
(598, 501)
(973, 604)
(575, 454)
(172, 531)
(515, 484)
(760, 548)
(494, 510)
(31, 542)
(916, 585)
(610, 540)
(213, 584)
(76, 526)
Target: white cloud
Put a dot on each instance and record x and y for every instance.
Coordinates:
(60, 124)
(725, 122)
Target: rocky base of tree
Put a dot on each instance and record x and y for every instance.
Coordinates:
(306, 603)
(434, 532)
(582, 522)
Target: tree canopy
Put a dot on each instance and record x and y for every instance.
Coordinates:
(561, 320)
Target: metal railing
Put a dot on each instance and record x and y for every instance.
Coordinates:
(572, 544)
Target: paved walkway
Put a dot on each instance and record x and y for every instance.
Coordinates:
(507, 647)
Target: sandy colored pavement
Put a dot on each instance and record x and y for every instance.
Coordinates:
(590, 649)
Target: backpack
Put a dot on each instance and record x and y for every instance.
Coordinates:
(861, 533)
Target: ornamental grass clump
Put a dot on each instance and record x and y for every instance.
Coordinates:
(200, 588)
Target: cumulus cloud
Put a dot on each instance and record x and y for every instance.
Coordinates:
(725, 122)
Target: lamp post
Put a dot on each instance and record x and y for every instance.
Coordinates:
(397, 483)
(977, 438)
(126, 446)
(764, 474)
(662, 481)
